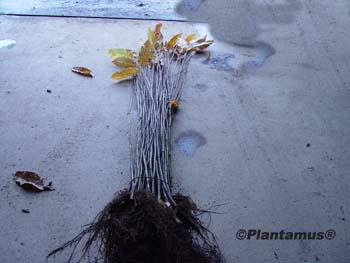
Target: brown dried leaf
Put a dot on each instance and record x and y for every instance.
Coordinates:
(82, 71)
(173, 41)
(200, 40)
(125, 73)
(174, 104)
(200, 47)
(32, 182)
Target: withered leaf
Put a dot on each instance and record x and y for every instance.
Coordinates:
(200, 46)
(174, 104)
(125, 73)
(173, 41)
(82, 71)
(32, 182)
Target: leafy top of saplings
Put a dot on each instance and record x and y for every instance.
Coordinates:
(153, 50)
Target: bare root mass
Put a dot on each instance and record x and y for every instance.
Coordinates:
(143, 230)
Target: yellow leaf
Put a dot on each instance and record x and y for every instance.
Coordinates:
(157, 34)
(120, 53)
(124, 62)
(158, 28)
(82, 71)
(154, 36)
(146, 54)
(191, 37)
(150, 36)
(125, 73)
(173, 41)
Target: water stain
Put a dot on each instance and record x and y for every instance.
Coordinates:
(221, 62)
(200, 87)
(7, 43)
(188, 142)
(244, 57)
(258, 54)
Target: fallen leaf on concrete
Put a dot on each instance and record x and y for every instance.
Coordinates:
(32, 182)
(82, 71)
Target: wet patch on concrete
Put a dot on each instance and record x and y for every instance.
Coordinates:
(200, 87)
(244, 57)
(221, 62)
(261, 52)
(188, 142)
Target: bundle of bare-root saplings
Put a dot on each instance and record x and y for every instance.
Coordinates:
(148, 222)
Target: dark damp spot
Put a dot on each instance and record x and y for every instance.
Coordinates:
(200, 87)
(263, 51)
(189, 141)
(221, 62)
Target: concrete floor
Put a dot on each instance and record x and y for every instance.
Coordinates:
(241, 137)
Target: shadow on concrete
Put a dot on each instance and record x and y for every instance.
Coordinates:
(238, 21)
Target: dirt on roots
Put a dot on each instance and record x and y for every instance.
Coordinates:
(143, 230)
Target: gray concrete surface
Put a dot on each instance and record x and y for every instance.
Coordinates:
(247, 118)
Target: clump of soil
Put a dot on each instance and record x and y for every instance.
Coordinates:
(143, 230)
